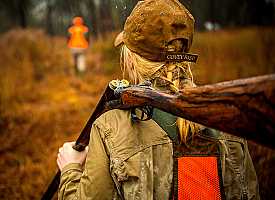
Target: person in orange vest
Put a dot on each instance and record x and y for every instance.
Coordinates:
(78, 43)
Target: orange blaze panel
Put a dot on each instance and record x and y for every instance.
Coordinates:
(77, 39)
(198, 178)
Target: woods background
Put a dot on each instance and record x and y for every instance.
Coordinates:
(43, 103)
(108, 15)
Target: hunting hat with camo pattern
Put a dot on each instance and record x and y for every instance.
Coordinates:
(153, 25)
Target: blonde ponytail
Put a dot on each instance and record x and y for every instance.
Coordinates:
(180, 76)
(173, 76)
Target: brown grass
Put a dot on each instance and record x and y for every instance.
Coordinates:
(42, 103)
(232, 54)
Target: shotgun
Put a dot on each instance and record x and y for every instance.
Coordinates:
(243, 107)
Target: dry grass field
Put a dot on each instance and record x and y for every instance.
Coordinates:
(42, 103)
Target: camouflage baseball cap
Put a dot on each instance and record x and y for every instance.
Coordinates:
(153, 25)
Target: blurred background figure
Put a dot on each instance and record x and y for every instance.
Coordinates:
(78, 43)
(209, 26)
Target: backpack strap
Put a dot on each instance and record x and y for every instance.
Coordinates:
(167, 122)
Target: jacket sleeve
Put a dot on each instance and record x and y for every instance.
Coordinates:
(95, 181)
(251, 177)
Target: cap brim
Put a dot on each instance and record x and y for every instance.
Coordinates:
(119, 39)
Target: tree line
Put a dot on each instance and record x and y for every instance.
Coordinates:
(103, 16)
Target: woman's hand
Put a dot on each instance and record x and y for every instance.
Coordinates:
(68, 155)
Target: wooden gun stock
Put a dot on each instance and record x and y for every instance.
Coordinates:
(243, 107)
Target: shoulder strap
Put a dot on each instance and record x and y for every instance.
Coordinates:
(167, 122)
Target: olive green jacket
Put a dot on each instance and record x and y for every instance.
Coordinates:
(135, 160)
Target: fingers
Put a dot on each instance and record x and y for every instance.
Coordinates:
(59, 157)
(72, 143)
(69, 144)
(66, 155)
(58, 163)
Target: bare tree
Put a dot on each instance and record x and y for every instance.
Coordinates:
(16, 11)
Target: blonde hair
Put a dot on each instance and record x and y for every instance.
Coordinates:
(173, 76)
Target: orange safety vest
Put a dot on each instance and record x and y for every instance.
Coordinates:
(197, 170)
(198, 178)
(77, 35)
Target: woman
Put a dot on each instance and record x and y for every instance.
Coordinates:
(163, 158)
